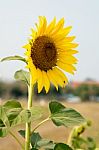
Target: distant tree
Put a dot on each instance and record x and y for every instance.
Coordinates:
(95, 90)
(83, 92)
(68, 90)
(18, 90)
(2, 89)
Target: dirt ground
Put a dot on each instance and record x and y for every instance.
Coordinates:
(50, 131)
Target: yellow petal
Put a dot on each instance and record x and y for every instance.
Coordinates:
(40, 20)
(63, 41)
(39, 80)
(27, 46)
(50, 76)
(70, 52)
(28, 53)
(61, 36)
(44, 25)
(66, 30)
(46, 81)
(33, 73)
(70, 38)
(62, 75)
(69, 59)
(58, 38)
(67, 67)
(58, 78)
(34, 34)
(51, 26)
(69, 46)
(39, 25)
(58, 27)
(67, 52)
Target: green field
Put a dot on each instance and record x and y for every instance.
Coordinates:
(50, 131)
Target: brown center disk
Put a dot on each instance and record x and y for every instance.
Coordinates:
(44, 53)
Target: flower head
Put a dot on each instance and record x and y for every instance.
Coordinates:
(50, 52)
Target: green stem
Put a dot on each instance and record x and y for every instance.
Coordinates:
(28, 125)
(39, 124)
(69, 142)
(15, 137)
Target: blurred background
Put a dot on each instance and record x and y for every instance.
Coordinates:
(82, 92)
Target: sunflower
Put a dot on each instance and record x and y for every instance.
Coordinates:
(49, 53)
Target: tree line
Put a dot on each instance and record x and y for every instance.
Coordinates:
(18, 90)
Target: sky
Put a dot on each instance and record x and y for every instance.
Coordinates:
(18, 16)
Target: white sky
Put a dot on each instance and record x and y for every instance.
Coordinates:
(18, 16)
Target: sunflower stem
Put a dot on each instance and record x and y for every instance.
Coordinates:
(28, 124)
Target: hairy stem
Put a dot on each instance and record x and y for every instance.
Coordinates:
(15, 137)
(28, 125)
(39, 124)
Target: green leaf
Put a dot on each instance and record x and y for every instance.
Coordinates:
(35, 137)
(46, 144)
(11, 104)
(12, 109)
(3, 118)
(13, 58)
(91, 143)
(3, 131)
(78, 142)
(22, 133)
(55, 107)
(24, 115)
(12, 114)
(36, 113)
(8, 112)
(68, 117)
(62, 146)
(84, 143)
(23, 76)
(37, 142)
(4, 123)
(1, 123)
(21, 118)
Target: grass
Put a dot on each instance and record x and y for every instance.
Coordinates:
(48, 130)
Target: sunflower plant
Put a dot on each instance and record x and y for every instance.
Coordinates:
(49, 53)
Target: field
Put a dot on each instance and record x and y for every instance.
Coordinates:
(50, 131)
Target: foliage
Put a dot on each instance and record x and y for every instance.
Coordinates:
(60, 115)
(87, 92)
(12, 114)
(38, 142)
(23, 76)
(16, 92)
(3, 89)
(77, 141)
